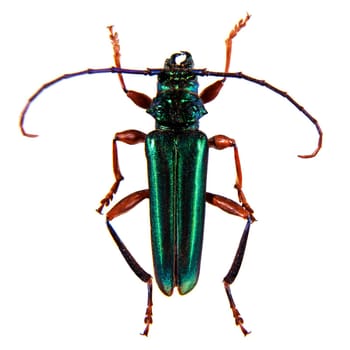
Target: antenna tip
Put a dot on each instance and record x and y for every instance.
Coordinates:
(24, 133)
(307, 156)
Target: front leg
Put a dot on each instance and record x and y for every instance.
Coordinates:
(211, 91)
(131, 137)
(138, 98)
(221, 142)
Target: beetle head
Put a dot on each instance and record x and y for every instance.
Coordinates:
(173, 63)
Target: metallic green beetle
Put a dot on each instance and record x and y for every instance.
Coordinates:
(177, 155)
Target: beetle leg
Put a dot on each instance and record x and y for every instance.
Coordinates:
(211, 91)
(131, 137)
(126, 204)
(227, 205)
(221, 142)
(233, 208)
(241, 23)
(120, 208)
(138, 98)
(245, 211)
(233, 272)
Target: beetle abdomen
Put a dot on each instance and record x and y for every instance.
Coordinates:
(177, 167)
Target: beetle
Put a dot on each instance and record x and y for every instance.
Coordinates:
(177, 154)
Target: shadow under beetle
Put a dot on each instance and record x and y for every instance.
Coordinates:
(177, 154)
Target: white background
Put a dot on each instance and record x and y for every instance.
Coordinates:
(63, 283)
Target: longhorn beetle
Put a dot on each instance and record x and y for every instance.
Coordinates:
(177, 153)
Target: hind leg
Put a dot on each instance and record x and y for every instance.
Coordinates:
(120, 208)
(233, 208)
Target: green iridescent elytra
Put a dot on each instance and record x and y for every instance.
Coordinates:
(177, 154)
(177, 164)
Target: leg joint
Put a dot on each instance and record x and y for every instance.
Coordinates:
(221, 142)
(130, 137)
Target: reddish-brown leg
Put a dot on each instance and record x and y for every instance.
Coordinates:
(221, 142)
(211, 91)
(241, 23)
(131, 137)
(231, 207)
(228, 205)
(120, 208)
(127, 204)
(138, 98)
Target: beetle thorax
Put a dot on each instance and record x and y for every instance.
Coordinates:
(177, 104)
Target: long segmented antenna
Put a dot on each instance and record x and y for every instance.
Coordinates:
(156, 71)
(282, 93)
(73, 75)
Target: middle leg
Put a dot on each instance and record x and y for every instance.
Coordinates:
(221, 142)
(130, 137)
